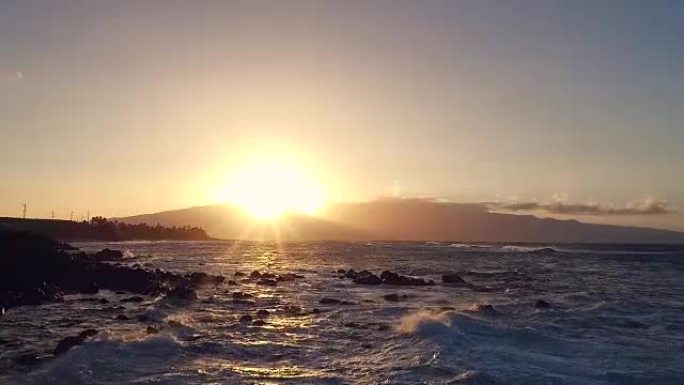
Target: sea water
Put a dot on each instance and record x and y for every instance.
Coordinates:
(616, 316)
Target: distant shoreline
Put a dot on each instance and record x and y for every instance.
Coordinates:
(101, 229)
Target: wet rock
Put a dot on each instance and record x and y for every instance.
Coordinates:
(292, 309)
(259, 322)
(394, 297)
(329, 301)
(134, 299)
(239, 274)
(232, 282)
(486, 309)
(241, 295)
(199, 278)
(355, 325)
(182, 293)
(69, 342)
(255, 274)
(453, 279)
(390, 278)
(288, 277)
(152, 330)
(104, 300)
(341, 271)
(267, 282)
(246, 318)
(27, 359)
(262, 313)
(367, 278)
(350, 274)
(120, 292)
(541, 304)
(107, 255)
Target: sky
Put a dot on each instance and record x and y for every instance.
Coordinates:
(127, 107)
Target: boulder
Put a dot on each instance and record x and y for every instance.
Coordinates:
(367, 278)
(107, 255)
(453, 279)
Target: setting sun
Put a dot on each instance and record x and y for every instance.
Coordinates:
(268, 188)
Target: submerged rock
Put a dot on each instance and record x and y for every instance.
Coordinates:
(329, 301)
(182, 293)
(454, 279)
(246, 318)
(541, 304)
(132, 299)
(394, 297)
(152, 330)
(69, 342)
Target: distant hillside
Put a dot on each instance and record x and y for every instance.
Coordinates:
(406, 219)
(229, 222)
(101, 229)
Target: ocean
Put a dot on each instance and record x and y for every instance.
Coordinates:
(539, 314)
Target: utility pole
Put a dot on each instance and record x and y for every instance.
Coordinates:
(88, 219)
(71, 216)
(53, 215)
(24, 213)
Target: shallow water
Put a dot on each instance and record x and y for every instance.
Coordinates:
(616, 318)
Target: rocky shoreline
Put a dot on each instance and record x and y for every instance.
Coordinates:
(35, 270)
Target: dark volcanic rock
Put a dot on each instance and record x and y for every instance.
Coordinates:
(329, 301)
(350, 274)
(198, 278)
(394, 297)
(267, 282)
(541, 304)
(135, 298)
(367, 278)
(454, 279)
(69, 342)
(262, 313)
(107, 255)
(182, 293)
(152, 330)
(239, 274)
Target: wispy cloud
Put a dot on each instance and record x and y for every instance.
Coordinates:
(647, 206)
(11, 78)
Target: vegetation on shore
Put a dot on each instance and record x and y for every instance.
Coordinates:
(101, 229)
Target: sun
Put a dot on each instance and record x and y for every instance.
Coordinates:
(269, 188)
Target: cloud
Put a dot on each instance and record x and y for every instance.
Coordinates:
(10, 79)
(648, 206)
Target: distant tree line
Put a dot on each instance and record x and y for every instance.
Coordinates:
(100, 228)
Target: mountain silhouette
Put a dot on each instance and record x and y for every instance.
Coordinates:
(409, 219)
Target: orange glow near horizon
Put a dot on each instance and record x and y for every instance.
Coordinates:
(270, 186)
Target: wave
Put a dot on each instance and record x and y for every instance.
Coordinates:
(109, 355)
